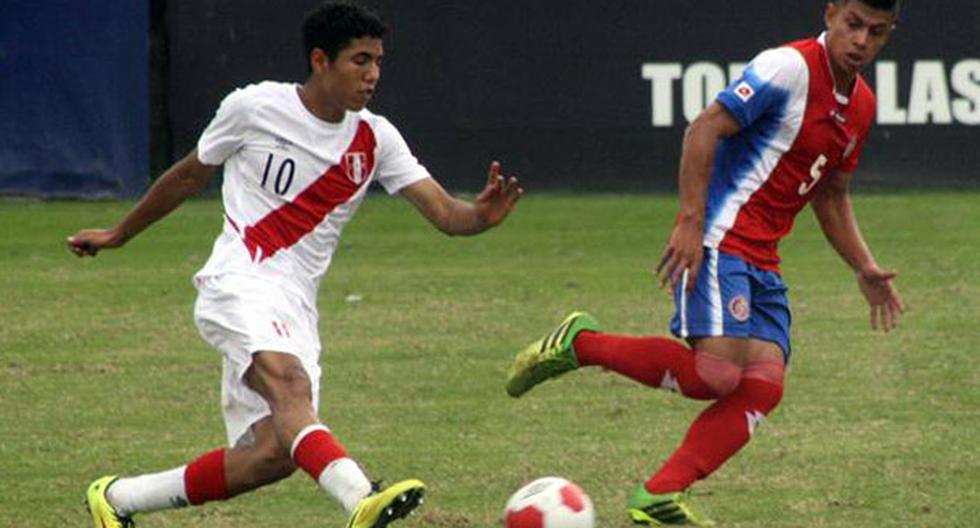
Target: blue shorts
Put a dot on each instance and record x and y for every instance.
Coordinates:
(733, 298)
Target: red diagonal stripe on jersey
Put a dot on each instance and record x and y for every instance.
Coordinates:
(292, 221)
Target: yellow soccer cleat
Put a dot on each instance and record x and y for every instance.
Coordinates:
(647, 509)
(390, 504)
(103, 514)
(549, 357)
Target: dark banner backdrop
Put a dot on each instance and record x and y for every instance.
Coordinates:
(73, 98)
(577, 94)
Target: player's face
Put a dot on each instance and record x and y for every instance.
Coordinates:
(856, 32)
(351, 78)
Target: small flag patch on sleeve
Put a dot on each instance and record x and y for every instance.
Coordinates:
(744, 91)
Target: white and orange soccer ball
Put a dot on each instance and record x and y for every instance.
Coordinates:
(549, 502)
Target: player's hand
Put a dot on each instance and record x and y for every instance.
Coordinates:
(684, 252)
(88, 242)
(882, 296)
(495, 202)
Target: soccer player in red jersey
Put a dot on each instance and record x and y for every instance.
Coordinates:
(298, 160)
(788, 132)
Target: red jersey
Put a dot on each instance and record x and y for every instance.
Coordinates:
(795, 131)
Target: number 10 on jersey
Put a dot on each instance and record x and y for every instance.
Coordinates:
(284, 175)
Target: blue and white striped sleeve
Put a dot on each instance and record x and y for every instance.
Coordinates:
(766, 85)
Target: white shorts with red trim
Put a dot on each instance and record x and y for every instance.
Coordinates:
(240, 315)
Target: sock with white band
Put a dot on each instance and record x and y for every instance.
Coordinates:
(321, 455)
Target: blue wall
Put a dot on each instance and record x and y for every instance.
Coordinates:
(74, 98)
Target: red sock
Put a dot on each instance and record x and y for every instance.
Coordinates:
(654, 361)
(314, 448)
(204, 478)
(717, 434)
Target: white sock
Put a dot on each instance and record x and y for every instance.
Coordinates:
(345, 480)
(146, 493)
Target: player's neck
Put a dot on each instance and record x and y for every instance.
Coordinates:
(843, 82)
(320, 105)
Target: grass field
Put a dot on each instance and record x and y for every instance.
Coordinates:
(101, 369)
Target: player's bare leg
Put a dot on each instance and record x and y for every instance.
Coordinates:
(262, 463)
(281, 379)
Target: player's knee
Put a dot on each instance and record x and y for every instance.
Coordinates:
(294, 387)
(288, 397)
(771, 370)
(720, 373)
(284, 382)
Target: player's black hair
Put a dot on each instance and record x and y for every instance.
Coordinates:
(332, 25)
(884, 5)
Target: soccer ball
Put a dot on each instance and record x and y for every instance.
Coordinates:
(549, 502)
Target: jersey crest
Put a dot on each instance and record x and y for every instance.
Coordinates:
(355, 166)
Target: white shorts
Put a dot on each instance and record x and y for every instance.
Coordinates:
(240, 315)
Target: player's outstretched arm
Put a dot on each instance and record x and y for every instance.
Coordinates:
(684, 250)
(182, 180)
(832, 205)
(460, 217)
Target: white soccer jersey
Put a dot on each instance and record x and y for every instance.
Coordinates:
(292, 182)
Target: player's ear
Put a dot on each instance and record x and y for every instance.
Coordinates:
(828, 16)
(319, 61)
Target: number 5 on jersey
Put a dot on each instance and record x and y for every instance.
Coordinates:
(816, 172)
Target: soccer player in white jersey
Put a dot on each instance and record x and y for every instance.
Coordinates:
(298, 160)
(787, 133)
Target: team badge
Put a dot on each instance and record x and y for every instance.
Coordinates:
(744, 91)
(739, 308)
(355, 167)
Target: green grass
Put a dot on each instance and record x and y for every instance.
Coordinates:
(101, 369)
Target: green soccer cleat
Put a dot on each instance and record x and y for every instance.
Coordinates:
(647, 509)
(549, 357)
(381, 508)
(103, 514)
